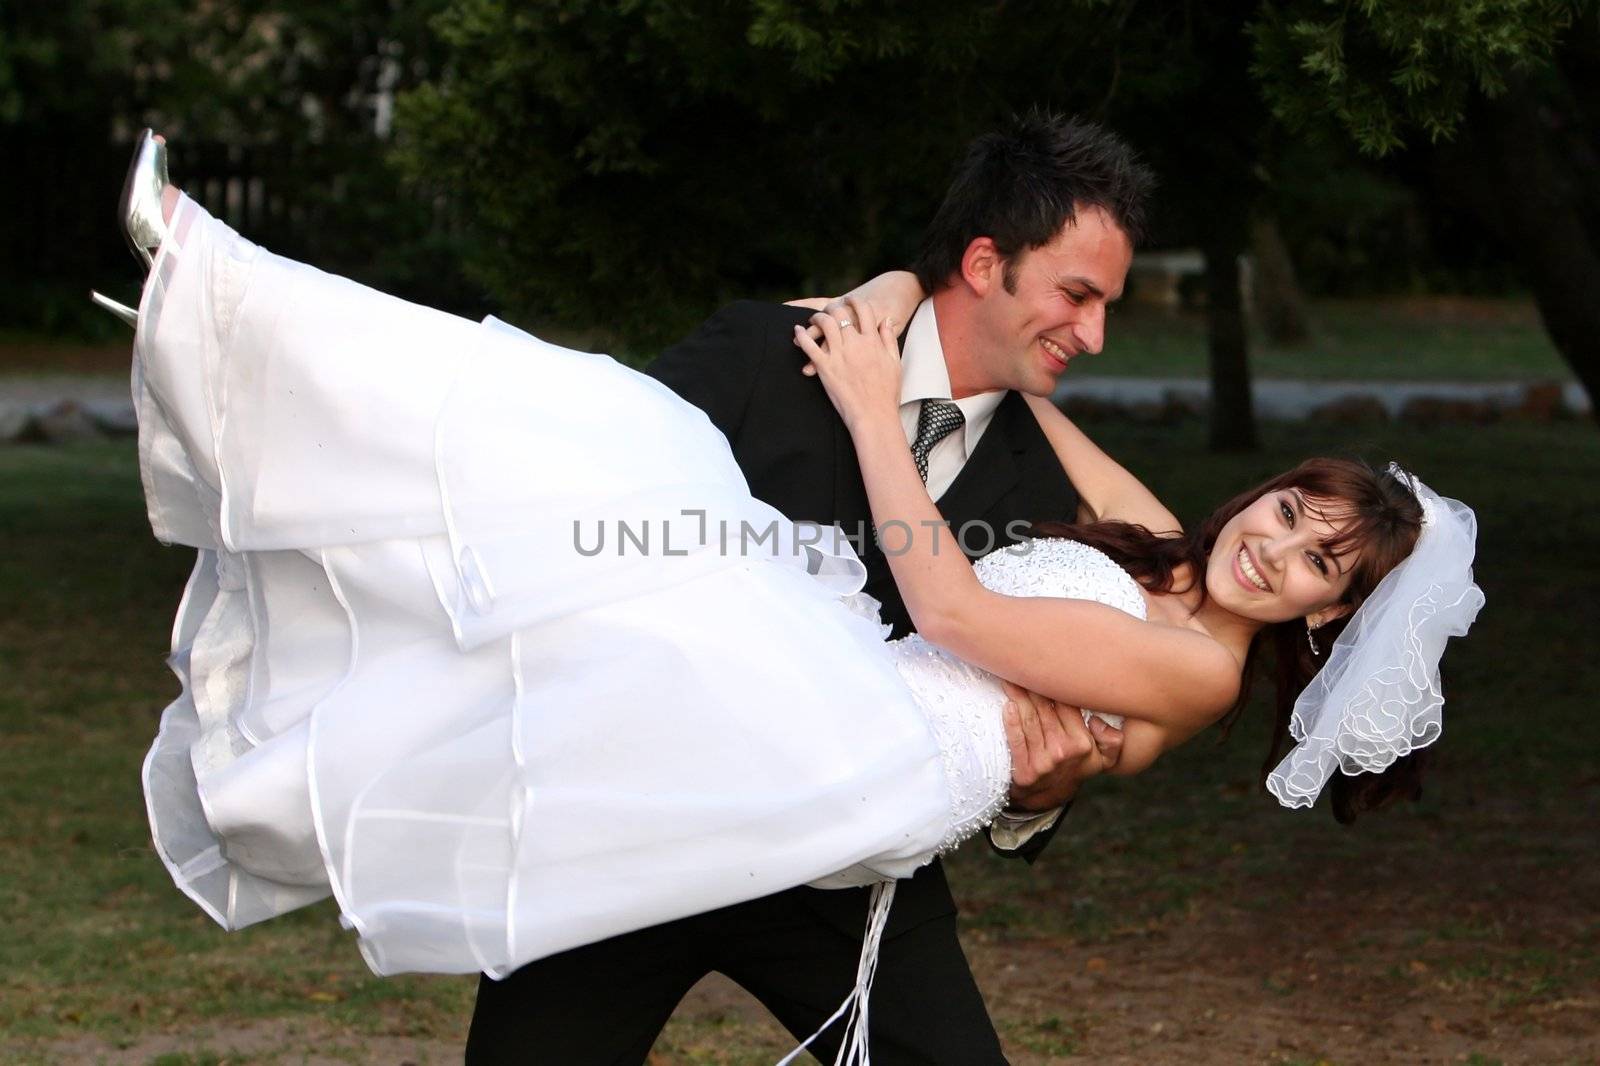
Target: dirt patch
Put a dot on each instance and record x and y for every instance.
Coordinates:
(1425, 957)
(1341, 975)
(1179, 999)
(49, 357)
(1203, 995)
(277, 1040)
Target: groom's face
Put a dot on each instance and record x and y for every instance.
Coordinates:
(1050, 304)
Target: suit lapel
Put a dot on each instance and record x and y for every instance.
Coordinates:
(991, 471)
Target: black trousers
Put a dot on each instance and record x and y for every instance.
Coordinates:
(604, 1004)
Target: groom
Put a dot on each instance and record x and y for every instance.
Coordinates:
(1031, 244)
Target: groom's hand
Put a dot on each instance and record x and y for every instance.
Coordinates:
(1052, 750)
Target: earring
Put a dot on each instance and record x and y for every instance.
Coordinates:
(1311, 640)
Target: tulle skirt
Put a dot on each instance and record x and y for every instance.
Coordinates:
(413, 681)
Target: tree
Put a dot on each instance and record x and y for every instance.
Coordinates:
(65, 70)
(286, 91)
(1507, 100)
(1182, 87)
(634, 163)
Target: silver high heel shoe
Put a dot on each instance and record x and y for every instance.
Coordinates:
(139, 213)
(140, 207)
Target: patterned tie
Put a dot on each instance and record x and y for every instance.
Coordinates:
(936, 421)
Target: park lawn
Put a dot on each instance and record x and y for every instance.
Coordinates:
(1179, 917)
(1373, 339)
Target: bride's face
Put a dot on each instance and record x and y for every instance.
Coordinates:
(1270, 563)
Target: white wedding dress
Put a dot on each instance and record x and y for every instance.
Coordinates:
(410, 681)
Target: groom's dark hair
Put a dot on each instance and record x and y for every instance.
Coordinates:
(1020, 185)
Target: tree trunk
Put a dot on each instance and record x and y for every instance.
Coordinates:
(1279, 304)
(1233, 419)
(1524, 187)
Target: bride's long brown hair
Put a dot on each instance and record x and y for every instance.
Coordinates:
(1375, 513)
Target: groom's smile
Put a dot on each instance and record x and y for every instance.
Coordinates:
(1050, 302)
(1055, 355)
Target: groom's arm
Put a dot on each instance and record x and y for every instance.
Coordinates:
(1053, 751)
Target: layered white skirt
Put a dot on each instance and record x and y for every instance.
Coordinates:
(409, 678)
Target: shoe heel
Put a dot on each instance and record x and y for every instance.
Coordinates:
(122, 311)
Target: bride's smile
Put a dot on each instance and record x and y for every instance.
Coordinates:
(1273, 561)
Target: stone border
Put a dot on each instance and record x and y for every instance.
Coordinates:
(60, 410)
(1417, 402)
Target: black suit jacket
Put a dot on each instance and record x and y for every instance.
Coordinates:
(741, 367)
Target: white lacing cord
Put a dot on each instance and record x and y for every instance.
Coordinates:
(853, 1045)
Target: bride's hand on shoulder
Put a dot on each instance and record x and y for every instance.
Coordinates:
(892, 295)
(858, 362)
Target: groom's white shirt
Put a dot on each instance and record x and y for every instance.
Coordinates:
(924, 376)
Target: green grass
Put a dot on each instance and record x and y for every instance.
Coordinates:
(1519, 689)
(1363, 340)
(1476, 892)
(1442, 339)
(97, 940)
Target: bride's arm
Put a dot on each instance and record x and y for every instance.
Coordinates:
(1144, 742)
(1103, 484)
(1078, 652)
(891, 296)
(1109, 492)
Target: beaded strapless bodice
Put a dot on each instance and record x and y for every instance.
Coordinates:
(964, 703)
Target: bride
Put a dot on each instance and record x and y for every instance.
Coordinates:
(487, 639)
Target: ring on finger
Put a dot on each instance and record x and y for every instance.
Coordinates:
(845, 323)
